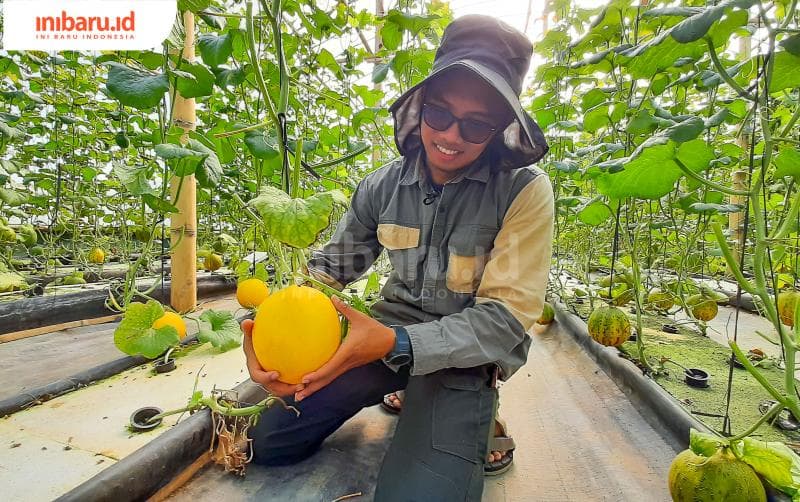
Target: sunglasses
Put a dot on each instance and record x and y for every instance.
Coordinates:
(471, 130)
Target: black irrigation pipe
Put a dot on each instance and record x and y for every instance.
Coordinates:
(655, 404)
(29, 313)
(141, 474)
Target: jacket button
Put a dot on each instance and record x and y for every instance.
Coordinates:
(442, 209)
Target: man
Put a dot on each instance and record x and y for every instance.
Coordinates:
(467, 223)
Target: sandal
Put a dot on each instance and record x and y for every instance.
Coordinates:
(783, 420)
(387, 405)
(502, 443)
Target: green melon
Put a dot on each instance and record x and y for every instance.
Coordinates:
(702, 307)
(787, 300)
(718, 478)
(609, 326)
(660, 300)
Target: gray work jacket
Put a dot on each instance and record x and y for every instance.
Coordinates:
(470, 265)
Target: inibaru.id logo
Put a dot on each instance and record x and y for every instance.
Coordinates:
(86, 24)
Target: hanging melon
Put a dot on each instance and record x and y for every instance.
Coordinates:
(787, 300)
(212, 262)
(250, 293)
(296, 331)
(702, 307)
(660, 300)
(718, 478)
(609, 326)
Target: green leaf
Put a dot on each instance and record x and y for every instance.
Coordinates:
(651, 171)
(595, 118)
(215, 50)
(786, 72)
(775, 462)
(220, 329)
(209, 173)
(226, 77)
(787, 163)
(594, 213)
(184, 161)
(380, 71)
(686, 130)
(373, 284)
(136, 336)
(295, 222)
(260, 145)
(696, 155)
(593, 98)
(10, 281)
(12, 197)
(158, 204)
(642, 123)
(718, 118)
(134, 178)
(326, 60)
(391, 36)
(9, 131)
(201, 85)
(791, 45)
(370, 97)
(135, 88)
(703, 443)
(410, 22)
(696, 27)
(193, 5)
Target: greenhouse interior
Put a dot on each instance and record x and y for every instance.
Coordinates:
(410, 250)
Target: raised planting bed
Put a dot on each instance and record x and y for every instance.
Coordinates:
(690, 349)
(40, 368)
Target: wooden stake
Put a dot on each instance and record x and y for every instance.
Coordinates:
(183, 293)
(27, 333)
(739, 178)
(181, 479)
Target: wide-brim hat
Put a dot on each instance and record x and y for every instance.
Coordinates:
(498, 54)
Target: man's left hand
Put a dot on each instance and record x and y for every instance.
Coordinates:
(367, 341)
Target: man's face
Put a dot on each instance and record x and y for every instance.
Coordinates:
(466, 97)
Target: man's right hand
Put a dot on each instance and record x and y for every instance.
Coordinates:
(266, 378)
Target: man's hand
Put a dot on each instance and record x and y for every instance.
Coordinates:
(367, 341)
(266, 378)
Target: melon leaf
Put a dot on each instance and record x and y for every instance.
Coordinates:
(136, 336)
(9, 281)
(294, 222)
(775, 462)
(220, 329)
(703, 443)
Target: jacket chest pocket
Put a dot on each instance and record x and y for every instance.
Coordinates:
(402, 245)
(468, 250)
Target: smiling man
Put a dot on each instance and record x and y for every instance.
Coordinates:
(467, 223)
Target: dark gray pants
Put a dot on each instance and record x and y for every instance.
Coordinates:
(440, 443)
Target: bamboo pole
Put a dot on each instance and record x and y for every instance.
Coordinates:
(183, 293)
(379, 12)
(739, 177)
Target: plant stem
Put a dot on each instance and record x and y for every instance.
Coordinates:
(716, 186)
(712, 51)
(773, 410)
